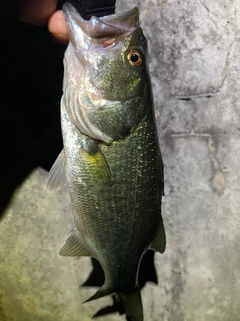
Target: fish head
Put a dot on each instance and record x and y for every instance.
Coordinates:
(112, 82)
(116, 66)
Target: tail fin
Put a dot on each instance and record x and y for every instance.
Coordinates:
(103, 291)
(132, 303)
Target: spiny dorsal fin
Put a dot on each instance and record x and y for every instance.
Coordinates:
(57, 175)
(74, 245)
(159, 242)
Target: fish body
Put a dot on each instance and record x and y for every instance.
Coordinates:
(111, 159)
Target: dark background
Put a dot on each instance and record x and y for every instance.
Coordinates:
(31, 81)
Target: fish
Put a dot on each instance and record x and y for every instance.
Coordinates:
(111, 159)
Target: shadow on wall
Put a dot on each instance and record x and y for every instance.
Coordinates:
(31, 84)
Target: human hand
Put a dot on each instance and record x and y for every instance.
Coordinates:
(40, 12)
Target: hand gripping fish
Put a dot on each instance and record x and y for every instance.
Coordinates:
(111, 159)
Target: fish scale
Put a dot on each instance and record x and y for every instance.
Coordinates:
(111, 159)
(115, 198)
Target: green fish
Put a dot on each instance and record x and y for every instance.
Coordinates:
(111, 159)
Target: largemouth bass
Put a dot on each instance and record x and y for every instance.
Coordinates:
(111, 159)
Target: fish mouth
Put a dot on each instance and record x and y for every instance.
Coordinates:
(103, 100)
(108, 25)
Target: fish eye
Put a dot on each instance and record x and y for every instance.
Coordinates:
(134, 57)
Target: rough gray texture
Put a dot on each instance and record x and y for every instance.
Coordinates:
(195, 68)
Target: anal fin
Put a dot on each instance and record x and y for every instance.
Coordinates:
(74, 245)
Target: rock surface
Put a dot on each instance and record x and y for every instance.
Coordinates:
(194, 49)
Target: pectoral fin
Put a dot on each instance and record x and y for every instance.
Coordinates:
(57, 175)
(159, 242)
(97, 162)
(74, 245)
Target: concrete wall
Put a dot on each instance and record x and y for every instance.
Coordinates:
(195, 68)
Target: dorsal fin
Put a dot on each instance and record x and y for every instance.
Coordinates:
(159, 242)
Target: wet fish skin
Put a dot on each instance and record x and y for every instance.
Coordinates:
(113, 162)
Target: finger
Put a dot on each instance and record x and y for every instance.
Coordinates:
(36, 12)
(57, 27)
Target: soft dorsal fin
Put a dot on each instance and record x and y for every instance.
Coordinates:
(57, 175)
(159, 242)
(74, 245)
